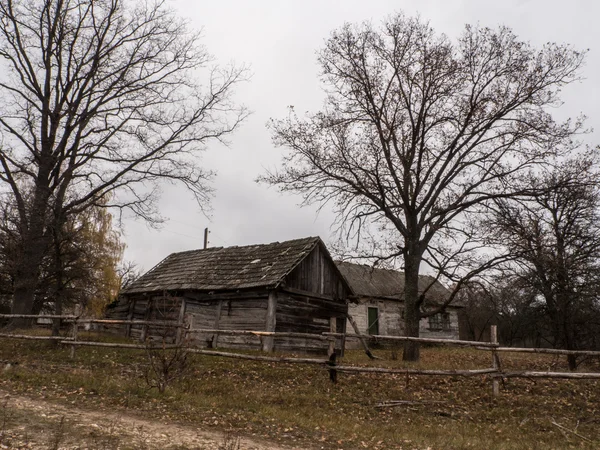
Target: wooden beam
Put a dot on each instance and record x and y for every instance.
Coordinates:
(495, 360)
(317, 337)
(118, 345)
(33, 338)
(379, 337)
(37, 316)
(550, 351)
(280, 359)
(309, 294)
(461, 373)
(215, 339)
(564, 375)
(332, 328)
(244, 294)
(180, 335)
(153, 323)
(270, 321)
(360, 337)
(130, 317)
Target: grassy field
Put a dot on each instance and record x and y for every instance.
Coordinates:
(298, 405)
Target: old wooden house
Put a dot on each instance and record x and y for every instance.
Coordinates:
(291, 286)
(377, 306)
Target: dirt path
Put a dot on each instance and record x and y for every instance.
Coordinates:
(27, 423)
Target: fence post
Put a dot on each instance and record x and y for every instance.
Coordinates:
(332, 340)
(75, 330)
(495, 365)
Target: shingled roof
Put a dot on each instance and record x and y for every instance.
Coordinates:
(224, 268)
(367, 281)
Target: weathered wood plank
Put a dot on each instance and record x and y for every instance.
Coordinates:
(281, 359)
(218, 308)
(245, 295)
(270, 321)
(563, 375)
(461, 373)
(550, 351)
(34, 338)
(260, 333)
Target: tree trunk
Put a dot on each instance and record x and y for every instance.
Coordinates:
(26, 279)
(411, 305)
(561, 327)
(57, 311)
(29, 258)
(569, 342)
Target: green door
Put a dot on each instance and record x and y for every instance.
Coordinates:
(373, 315)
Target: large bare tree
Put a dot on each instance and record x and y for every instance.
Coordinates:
(101, 99)
(555, 238)
(418, 131)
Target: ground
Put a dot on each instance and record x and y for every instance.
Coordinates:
(29, 423)
(109, 399)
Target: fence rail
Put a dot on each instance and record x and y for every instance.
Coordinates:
(495, 372)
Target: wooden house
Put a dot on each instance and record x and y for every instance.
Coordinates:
(291, 286)
(377, 306)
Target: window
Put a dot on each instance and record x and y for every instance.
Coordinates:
(373, 316)
(439, 322)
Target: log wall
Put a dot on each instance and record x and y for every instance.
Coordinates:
(228, 311)
(306, 314)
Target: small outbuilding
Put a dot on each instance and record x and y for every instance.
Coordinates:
(291, 286)
(378, 306)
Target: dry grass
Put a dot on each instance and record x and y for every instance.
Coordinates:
(298, 404)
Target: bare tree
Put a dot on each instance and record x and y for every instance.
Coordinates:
(556, 240)
(509, 302)
(101, 99)
(417, 132)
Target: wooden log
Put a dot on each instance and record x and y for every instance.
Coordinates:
(550, 351)
(70, 319)
(461, 373)
(332, 328)
(309, 294)
(210, 298)
(75, 330)
(34, 338)
(361, 338)
(343, 338)
(119, 345)
(152, 323)
(215, 338)
(563, 375)
(180, 334)
(457, 342)
(270, 320)
(275, 359)
(130, 317)
(37, 316)
(495, 360)
(318, 337)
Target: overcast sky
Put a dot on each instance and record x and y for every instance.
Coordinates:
(278, 40)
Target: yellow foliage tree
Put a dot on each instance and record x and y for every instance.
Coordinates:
(96, 281)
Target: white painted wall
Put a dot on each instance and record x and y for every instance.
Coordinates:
(391, 322)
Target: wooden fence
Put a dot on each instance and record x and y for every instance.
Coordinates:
(496, 371)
